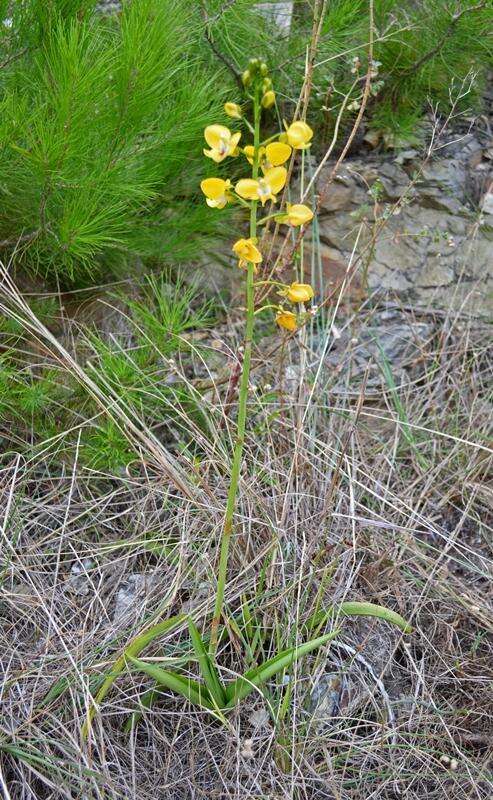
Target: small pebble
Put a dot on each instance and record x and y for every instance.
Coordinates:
(247, 749)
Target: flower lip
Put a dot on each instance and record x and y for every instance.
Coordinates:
(298, 214)
(264, 189)
(247, 251)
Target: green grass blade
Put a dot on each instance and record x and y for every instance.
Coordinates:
(246, 683)
(207, 668)
(358, 609)
(133, 649)
(193, 691)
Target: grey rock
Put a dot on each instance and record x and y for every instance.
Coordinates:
(132, 589)
(339, 196)
(328, 696)
(108, 6)
(279, 14)
(457, 225)
(406, 155)
(339, 231)
(435, 274)
(461, 148)
(475, 255)
(434, 198)
(391, 333)
(435, 243)
(487, 202)
(383, 277)
(79, 582)
(446, 175)
(394, 181)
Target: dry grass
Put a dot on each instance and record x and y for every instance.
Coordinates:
(386, 498)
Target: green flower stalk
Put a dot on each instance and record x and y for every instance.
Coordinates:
(268, 178)
(242, 401)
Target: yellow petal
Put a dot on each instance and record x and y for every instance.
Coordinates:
(248, 189)
(298, 214)
(213, 187)
(276, 178)
(299, 293)
(287, 320)
(277, 153)
(215, 135)
(233, 142)
(219, 203)
(249, 151)
(215, 155)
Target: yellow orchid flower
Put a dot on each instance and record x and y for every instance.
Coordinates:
(216, 191)
(268, 99)
(265, 188)
(222, 142)
(247, 252)
(299, 292)
(233, 110)
(287, 320)
(275, 154)
(298, 135)
(296, 215)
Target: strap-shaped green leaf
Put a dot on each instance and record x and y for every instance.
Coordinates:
(357, 609)
(207, 668)
(245, 684)
(195, 692)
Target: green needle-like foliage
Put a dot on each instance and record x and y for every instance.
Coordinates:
(100, 125)
(425, 51)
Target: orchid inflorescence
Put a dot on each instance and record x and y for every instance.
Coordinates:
(269, 176)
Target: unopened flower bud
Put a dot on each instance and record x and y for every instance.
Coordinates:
(233, 110)
(264, 69)
(268, 99)
(266, 85)
(246, 78)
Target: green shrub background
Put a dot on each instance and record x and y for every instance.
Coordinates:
(101, 125)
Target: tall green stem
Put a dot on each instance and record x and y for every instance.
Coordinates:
(242, 406)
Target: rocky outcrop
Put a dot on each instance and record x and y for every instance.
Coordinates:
(420, 228)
